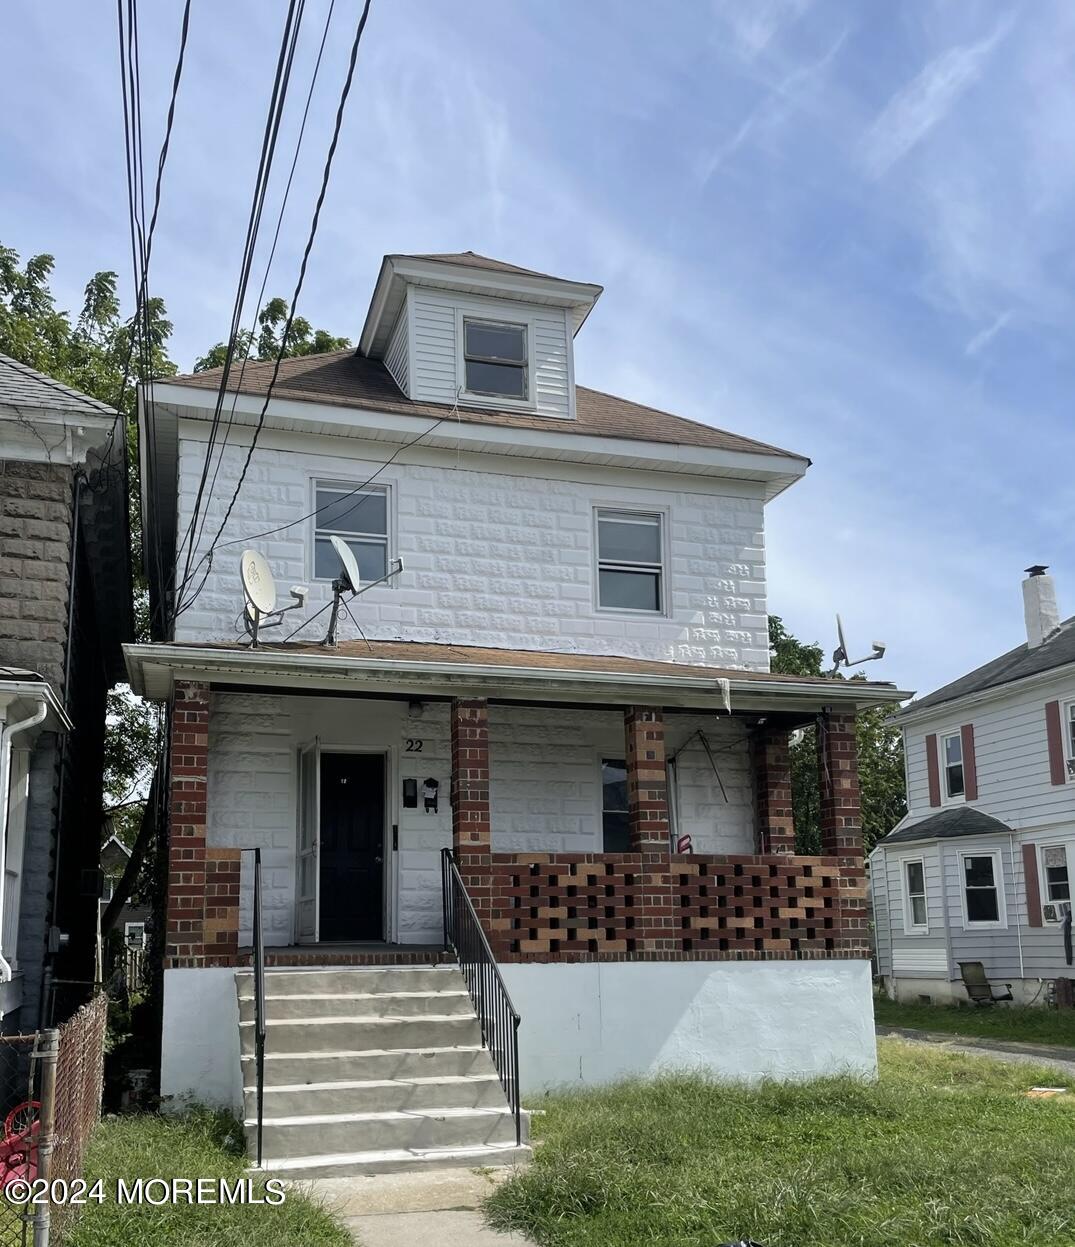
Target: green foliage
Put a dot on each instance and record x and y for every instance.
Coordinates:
(302, 339)
(1021, 1024)
(945, 1149)
(880, 749)
(199, 1144)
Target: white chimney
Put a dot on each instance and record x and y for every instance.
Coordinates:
(1039, 605)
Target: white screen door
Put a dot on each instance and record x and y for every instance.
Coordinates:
(309, 840)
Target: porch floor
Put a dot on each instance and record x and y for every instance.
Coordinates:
(357, 954)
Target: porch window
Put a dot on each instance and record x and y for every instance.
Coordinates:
(360, 517)
(1054, 870)
(615, 826)
(914, 884)
(953, 765)
(630, 561)
(495, 359)
(982, 903)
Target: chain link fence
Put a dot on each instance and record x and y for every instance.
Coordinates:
(50, 1093)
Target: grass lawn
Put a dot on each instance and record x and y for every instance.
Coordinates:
(200, 1144)
(943, 1150)
(1026, 1025)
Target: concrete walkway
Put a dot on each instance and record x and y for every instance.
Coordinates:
(1044, 1055)
(436, 1209)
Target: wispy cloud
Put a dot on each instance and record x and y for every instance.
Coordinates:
(756, 23)
(982, 339)
(926, 100)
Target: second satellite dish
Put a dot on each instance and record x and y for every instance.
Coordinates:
(349, 573)
(258, 584)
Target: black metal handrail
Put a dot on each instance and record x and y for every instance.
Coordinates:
(498, 1018)
(259, 998)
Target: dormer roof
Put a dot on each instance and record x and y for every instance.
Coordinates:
(468, 273)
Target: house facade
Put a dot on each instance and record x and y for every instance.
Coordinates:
(566, 683)
(980, 867)
(65, 612)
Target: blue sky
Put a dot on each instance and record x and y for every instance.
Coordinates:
(844, 229)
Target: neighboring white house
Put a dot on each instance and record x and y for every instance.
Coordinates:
(980, 868)
(567, 680)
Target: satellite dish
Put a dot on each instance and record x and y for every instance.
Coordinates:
(258, 584)
(840, 656)
(349, 573)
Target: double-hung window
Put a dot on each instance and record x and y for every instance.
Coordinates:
(914, 888)
(983, 902)
(630, 561)
(496, 359)
(1069, 724)
(952, 754)
(360, 517)
(1055, 873)
(615, 827)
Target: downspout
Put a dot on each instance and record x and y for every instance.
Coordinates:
(1015, 890)
(6, 737)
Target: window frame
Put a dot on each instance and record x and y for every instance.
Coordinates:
(910, 927)
(1001, 922)
(605, 756)
(1043, 879)
(1067, 728)
(660, 514)
(386, 488)
(515, 319)
(946, 797)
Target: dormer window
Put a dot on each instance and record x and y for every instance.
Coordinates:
(495, 359)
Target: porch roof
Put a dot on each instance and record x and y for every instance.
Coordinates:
(426, 670)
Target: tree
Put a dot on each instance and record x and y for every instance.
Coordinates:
(880, 752)
(302, 339)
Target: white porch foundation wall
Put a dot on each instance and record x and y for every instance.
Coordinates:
(598, 1022)
(200, 1046)
(545, 789)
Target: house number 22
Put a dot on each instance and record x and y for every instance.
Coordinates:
(414, 746)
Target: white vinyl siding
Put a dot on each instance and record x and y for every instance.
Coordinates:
(396, 358)
(920, 962)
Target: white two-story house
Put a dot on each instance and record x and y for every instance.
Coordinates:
(980, 868)
(543, 747)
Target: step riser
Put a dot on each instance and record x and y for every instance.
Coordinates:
(444, 1160)
(390, 1097)
(289, 1070)
(387, 1135)
(393, 979)
(359, 1036)
(279, 1008)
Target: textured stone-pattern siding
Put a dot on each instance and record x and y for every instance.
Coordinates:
(35, 548)
(499, 559)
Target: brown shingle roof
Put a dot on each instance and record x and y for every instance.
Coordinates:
(344, 379)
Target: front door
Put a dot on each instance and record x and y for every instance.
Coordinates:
(352, 801)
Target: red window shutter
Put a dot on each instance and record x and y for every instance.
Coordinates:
(970, 765)
(1057, 766)
(1033, 889)
(933, 770)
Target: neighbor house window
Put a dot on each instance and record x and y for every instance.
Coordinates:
(1054, 872)
(361, 519)
(952, 747)
(1071, 737)
(615, 826)
(495, 359)
(630, 567)
(914, 884)
(981, 889)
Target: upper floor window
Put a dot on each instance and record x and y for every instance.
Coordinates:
(615, 827)
(495, 359)
(630, 561)
(983, 903)
(1070, 735)
(914, 884)
(360, 518)
(952, 751)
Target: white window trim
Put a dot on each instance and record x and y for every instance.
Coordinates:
(475, 397)
(595, 563)
(961, 798)
(910, 927)
(1067, 718)
(387, 487)
(998, 880)
(1043, 884)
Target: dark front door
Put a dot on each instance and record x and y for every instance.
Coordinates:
(352, 846)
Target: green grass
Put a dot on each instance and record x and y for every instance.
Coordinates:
(1026, 1025)
(943, 1150)
(200, 1144)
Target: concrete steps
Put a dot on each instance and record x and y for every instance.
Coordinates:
(372, 1071)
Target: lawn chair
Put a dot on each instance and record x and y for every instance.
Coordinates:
(979, 989)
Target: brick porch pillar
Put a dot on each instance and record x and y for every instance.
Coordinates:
(647, 805)
(471, 824)
(841, 825)
(189, 746)
(774, 830)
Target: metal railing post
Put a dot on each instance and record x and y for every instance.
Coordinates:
(259, 1003)
(49, 1053)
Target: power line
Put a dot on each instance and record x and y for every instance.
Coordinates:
(345, 93)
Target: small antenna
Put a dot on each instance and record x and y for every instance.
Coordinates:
(259, 592)
(349, 581)
(840, 656)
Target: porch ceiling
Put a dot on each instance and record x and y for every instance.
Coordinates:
(419, 669)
